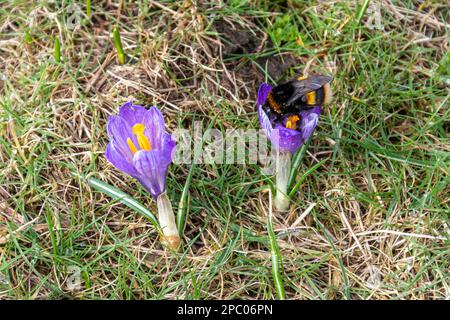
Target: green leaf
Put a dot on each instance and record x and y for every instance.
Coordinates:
(88, 8)
(27, 37)
(444, 68)
(57, 50)
(277, 262)
(124, 198)
(118, 45)
(183, 206)
(362, 11)
(303, 177)
(296, 162)
(284, 30)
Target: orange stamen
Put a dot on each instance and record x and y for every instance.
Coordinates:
(138, 130)
(144, 144)
(131, 146)
(291, 122)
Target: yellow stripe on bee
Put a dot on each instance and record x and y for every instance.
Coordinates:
(311, 98)
(291, 122)
(304, 77)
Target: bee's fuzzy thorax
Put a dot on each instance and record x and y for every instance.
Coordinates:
(272, 103)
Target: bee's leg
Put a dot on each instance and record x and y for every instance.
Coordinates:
(273, 116)
(276, 116)
(299, 124)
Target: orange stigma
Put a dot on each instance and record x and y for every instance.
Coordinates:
(144, 144)
(291, 122)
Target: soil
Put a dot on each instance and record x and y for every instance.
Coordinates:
(237, 40)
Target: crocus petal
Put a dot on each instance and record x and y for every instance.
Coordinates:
(263, 92)
(116, 159)
(152, 169)
(119, 131)
(265, 122)
(168, 147)
(283, 139)
(287, 139)
(131, 113)
(154, 127)
(309, 120)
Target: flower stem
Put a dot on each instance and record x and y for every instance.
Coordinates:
(166, 219)
(282, 199)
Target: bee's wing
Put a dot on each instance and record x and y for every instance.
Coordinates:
(302, 87)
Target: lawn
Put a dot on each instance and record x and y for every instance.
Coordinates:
(371, 221)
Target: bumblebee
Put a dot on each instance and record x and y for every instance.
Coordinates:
(290, 98)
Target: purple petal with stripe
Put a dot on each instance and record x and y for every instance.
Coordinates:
(117, 160)
(309, 120)
(119, 131)
(152, 168)
(153, 121)
(132, 113)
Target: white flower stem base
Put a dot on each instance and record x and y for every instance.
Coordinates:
(282, 200)
(166, 219)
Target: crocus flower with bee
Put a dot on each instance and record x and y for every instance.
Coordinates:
(288, 114)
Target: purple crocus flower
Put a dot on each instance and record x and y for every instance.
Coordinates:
(140, 146)
(285, 138)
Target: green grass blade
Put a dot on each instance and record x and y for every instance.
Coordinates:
(277, 262)
(88, 8)
(49, 219)
(118, 45)
(27, 37)
(183, 206)
(337, 255)
(362, 11)
(57, 50)
(124, 198)
(303, 177)
(296, 161)
(225, 254)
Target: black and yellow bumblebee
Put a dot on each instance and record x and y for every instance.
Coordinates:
(290, 98)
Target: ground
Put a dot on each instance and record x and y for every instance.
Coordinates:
(371, 222)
